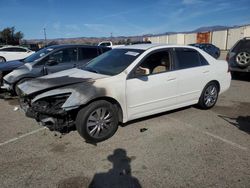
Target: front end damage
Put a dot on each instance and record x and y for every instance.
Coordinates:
(54, 100)
(49, 112)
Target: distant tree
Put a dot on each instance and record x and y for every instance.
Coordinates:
(128, 41)
(8, 36)
(18, 36)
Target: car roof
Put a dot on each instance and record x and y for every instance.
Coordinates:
(154, 45)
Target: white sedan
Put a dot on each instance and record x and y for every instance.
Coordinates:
(10, 53)
(123, 84)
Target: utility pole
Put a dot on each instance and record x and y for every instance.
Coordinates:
(45, 37)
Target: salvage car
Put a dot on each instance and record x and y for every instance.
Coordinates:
(124, 84)
(7, 67)
(238, 56)
(209, 48)
(9, 53)
(50, 60)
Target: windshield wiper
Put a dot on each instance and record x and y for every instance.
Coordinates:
(91, 69)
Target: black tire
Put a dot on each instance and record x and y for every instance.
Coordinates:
(2, 60)
(87, 121)
(217, 55)
(16, 89)
(242, 58)
(206, 93)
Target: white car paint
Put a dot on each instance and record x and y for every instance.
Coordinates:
(140, 97)
(165, 91)
(9, 53)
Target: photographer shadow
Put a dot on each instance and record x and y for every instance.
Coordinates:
(119, 176)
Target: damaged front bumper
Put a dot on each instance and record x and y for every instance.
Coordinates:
(48, 113)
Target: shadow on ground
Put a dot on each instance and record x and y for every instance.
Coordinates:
(119, 176)
(241, 122)
(241, 76)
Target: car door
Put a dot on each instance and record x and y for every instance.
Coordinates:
(153, 91)
(192, 74)
(86, 54)
(62, 59)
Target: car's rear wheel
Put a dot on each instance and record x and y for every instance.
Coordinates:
(97, 121)
(2, 60)
(209, 96)
(243, 58)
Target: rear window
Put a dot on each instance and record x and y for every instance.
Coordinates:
(188, 58)
(242, 44)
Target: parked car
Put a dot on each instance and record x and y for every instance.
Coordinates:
(123, 84)
(50, 60)
(108, 44)
(209, 48)
(10, 53)
(238, 56)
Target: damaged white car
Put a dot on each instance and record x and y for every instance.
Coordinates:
(123, 84)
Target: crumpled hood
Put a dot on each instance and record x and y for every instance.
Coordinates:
(14, 76)
(10, 65)
(57, 80)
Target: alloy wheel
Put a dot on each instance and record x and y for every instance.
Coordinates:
(99, 122)
(243, 58)
(210, 95)
(2, 60)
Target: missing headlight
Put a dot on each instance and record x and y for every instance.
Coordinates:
(50, 105)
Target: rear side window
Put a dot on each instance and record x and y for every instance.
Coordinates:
(241, 45)
(188, 58)
(87, 53)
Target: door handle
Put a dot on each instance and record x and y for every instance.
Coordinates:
(171, 79)
(206, 71)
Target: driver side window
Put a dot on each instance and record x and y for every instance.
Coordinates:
(155, 63)
(64, 56)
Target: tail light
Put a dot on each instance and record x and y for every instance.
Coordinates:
(228, 67)
(227, 58)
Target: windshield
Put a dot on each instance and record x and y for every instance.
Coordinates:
(38, 55)
(113, 62)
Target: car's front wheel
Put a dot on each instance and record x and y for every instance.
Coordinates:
(97, 121)
(2, 60)
(209, 96)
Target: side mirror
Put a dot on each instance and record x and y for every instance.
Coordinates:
(51, 62)
(140, 71)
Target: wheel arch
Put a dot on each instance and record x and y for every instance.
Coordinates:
(3, 58)
(112, 101)
(216, 82)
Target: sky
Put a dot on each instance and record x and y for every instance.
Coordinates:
(100, 18)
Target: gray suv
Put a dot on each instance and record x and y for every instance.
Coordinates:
(238, 56)
(50, 60)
